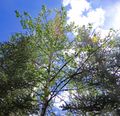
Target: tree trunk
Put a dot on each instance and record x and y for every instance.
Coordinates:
(44, 108)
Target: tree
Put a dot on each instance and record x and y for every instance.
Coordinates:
(17, 78)
(98, 87)
(56, 52)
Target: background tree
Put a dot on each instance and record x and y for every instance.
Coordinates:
(97, 88)
(17, 78)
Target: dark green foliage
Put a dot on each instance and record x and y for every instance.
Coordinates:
(98, 88)
(17, 78)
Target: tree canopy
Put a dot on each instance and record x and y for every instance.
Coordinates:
(52, 56)
(97, 89)
(17, 78)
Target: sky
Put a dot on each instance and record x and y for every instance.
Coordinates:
(9, 24)
(102, 13)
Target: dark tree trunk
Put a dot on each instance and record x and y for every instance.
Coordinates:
(44, 108)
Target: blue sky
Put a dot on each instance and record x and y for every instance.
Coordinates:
(106, 11)
(9, 24)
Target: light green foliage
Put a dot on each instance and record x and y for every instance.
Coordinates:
(48, 40)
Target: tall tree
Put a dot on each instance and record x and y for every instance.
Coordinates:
(56, 52)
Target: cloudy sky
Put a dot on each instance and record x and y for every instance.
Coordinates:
(102, 13)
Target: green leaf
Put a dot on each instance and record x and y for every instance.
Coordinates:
(17, 13)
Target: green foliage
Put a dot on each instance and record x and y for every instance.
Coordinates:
(45, 60)
(17, 78)
(97, 87)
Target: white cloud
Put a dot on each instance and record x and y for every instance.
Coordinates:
(96, 17)
(113, 16)
(79, 6)
(66, 2)
(103, 32)
(82, 13)
(61, 99)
